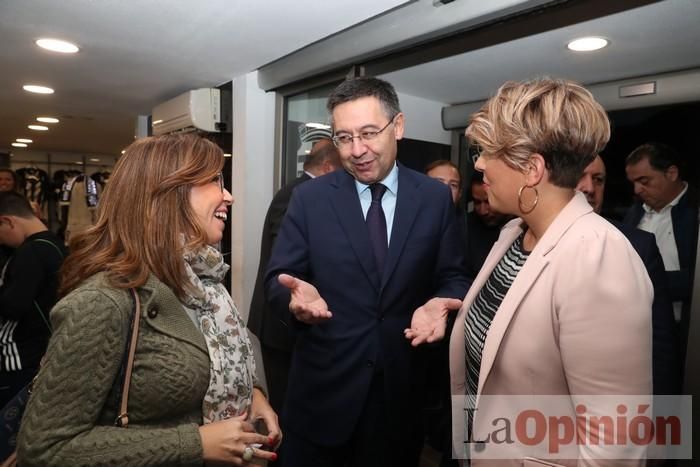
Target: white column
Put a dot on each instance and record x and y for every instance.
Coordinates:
(253, 178)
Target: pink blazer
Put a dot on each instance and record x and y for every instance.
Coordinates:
(575, 322)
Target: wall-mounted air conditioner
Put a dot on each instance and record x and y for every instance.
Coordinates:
(198, 109)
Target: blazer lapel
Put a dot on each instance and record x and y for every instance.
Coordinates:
(349, 211)
(407, 201)
(526, 278)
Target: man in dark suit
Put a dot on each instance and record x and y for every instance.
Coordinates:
(665, 361)
(668, 208)
(276, 342)
(362, 255)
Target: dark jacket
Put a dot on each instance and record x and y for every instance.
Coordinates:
(324, 240)
(268, 327)
(27, 294)
(665, 361)
(684, 217)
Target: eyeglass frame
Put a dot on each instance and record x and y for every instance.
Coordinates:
(220, 176)
(363, 136)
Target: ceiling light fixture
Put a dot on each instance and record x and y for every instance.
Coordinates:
(24, 140)
(57, 45)
(19, 145)
(38, 127)
(37, 89)
(227, 155)
(587, 44)
(47, 119)
(94, 159)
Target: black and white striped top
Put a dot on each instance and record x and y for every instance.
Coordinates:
(481, 313)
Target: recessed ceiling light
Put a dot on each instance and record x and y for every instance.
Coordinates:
(37, 89)
(38, 127)
(587, 44)
(79, 162)
(94, 159)
(19, 145)
(57, 45)
(227, 155)
(24, 140)
(47, 119)
(157, 122)
(123, 151)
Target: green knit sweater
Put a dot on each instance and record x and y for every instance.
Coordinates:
(69, 420)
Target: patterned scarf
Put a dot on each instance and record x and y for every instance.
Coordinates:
(232, 366)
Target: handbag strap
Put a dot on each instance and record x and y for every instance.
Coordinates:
(123, 417)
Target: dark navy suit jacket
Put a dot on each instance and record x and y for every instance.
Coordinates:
(684, 217)
(665, 360)
(324, 240)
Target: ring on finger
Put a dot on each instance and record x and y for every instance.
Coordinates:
(248, 453)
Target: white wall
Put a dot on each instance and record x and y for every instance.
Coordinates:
(423, 120)
(252, 180)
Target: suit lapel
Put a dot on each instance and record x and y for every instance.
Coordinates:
(407, 202)
(349, 211)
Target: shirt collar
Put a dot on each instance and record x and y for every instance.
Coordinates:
(391, 182)
(670, 205)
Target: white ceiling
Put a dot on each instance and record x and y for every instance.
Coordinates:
(136, 54)
(652, 39)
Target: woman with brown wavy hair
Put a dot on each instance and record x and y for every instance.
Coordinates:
(193, 386)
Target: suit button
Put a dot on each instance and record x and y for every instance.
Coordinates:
(153, 312)
(370, 363)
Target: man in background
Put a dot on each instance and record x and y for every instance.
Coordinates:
(668, 208)
(276, 341)
(665, 361)
(483, 226)
(28, 285)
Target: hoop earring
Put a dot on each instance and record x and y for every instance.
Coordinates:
(520, 200)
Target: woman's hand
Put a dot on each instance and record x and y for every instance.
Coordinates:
(261, 409)
(224, 443)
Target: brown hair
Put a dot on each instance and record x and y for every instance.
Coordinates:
(558, 119)
(144, 218)
(440, 163)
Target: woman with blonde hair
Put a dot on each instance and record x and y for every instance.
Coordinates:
(562, 305)
(193, 391)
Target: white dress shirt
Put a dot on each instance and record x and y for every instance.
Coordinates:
(661, 225)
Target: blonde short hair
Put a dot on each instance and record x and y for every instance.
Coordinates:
(557, 119)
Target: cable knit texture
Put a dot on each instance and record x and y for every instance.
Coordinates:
(70, 415)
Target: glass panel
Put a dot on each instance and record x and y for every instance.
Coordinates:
(306, 121)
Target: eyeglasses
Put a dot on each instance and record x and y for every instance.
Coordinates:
(474, 151)
(345, 140)
(220, 180)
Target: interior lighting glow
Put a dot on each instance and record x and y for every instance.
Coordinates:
(38, 127)
(37, 89)
(57, 45)
(587, 44)
(47, 119)
(24, 140)
(19, 145)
